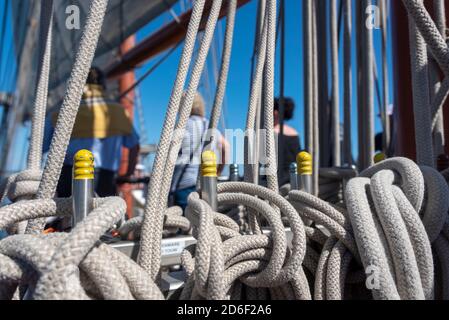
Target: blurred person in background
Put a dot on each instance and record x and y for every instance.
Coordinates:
(189, 158)
(102, 127)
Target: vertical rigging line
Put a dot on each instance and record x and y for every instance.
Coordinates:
(335, 86)
(3, 33)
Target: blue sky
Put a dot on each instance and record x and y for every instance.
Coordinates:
(155, 90)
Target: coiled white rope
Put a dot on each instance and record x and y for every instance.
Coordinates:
(69, 108)
(224, 261)
(382, 223)
(74, 265)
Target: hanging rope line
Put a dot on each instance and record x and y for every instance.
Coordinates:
(149, 71)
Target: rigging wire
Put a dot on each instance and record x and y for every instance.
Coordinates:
(3, 32)
(150, 71)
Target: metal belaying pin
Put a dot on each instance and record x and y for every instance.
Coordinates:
(234, 172)
(294, 176)
(304, 167)
(82, 185)
(379, 157)
(209, 178)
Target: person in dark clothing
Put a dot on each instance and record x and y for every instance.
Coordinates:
(290, 140)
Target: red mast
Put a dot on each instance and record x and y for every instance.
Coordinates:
(126, 80)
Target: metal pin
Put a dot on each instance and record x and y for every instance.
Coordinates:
(304, 164)
(209, 178)
(379, 157)
(234, 172)
(294, 176)
(82, 185)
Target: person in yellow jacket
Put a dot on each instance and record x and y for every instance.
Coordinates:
(103, 127)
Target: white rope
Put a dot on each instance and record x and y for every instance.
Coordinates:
(149, 256)
(421, 96)
(271, 163)
(224, 68)
(40, 104)
(251, 151)
(24, 185)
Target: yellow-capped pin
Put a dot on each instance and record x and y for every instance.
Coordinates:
(209, 164)
(379, 157)
(83, 165)
(304, 163)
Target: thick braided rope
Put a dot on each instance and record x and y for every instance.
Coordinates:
(165, 179)
(173, 222)
(113, 274)
(252, 139)
(251, 156)
(436, 42)
(401, 251)
(421, 96)
(271, 163)
(108, 273)
(243, 255)
(40, 104)
(224, 68)
(429, 31)
(52, 284)
(222, 78)
(147, 250)
(185, 108)
(70, 104)
(395, 211)
(25, 184)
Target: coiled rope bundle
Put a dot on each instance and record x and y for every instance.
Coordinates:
(226, 264)
(393, 225)
(69, 266)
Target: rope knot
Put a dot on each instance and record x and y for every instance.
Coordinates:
(24, 185)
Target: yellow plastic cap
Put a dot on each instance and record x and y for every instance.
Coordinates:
(209, 164)
(379, 157)
(83, 165)
(304, 163)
